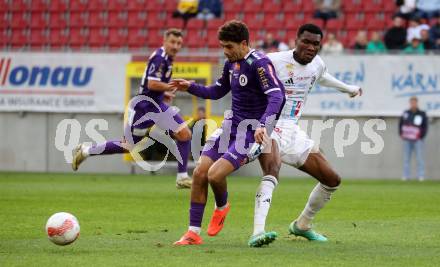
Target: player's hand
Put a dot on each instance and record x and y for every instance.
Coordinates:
(261, 135)
(169, 96)
(180, 84)
(357, 93)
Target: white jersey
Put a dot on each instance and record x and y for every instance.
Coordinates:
(298, 80)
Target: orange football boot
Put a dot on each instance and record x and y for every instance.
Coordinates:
(217, 220)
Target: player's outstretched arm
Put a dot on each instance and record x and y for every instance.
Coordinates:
(216, 91)
(329, 80)
(159, 86)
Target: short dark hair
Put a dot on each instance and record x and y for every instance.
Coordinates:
(233, 31)
(174, 31)
(414, 98)
(312, 28)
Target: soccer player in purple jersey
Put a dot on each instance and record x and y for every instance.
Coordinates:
(257, 98)
(154, 89)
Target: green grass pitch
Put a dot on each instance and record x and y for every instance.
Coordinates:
(133, 221)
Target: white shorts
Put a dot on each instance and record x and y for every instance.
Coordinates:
(293, 143)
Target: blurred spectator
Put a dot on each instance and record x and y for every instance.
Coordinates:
(327, 9)
(375, 45)
(186, 9)
(395, 37)
(428, 8)
(361, 41)
(428, 44)
(413, 127)
(407, 8)
(415, 46)
(434, 32)
(415, 28)
(332, 45)
(209, 9)
(270, 44)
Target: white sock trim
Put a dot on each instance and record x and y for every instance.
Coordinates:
(195, 229)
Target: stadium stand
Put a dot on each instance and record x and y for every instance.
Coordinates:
(39, 24)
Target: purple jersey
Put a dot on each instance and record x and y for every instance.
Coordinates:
(256, 91)
(159, 68)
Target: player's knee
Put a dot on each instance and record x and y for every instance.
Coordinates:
(333, 180)
(199, 175)
(213, 176)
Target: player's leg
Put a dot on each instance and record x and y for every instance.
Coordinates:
(182, 134)
(407, 151)
(420, 151)
(317, 166)
(199, 194)
(217, 179)
(270, 163)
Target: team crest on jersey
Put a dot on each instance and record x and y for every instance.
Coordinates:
(243, 80)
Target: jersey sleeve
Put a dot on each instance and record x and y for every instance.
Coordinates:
(221, 87)
(155, 68)
(270, 86)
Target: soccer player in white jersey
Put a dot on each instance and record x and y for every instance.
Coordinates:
(299, 70)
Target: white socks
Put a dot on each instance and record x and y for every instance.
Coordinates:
(317, 199)
(263, 198)
(195, 229)
(181, 175)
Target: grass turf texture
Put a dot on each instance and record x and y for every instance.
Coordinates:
(133, 221)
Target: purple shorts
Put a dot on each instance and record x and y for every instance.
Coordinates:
(145, 114)
(229, 145)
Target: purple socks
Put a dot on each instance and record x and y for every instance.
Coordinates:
(196, 214)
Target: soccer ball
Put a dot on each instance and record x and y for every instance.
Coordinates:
(62, 228)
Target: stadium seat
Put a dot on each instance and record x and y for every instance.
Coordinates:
(78, 37)
(254, 20)
(39, 5)
(19, 5)
(117, 5)
(292, 22)
(389, 6)
(58, 6)
(195, 39)
(317, 22)
(212, 40)
(137, 19)
(374, 21)
(252, 6)
(78, 19)
(291, 8)
(98, 37)
(156, 22)
(271, 22)
(270, 6)
(38, 38)
(117, 37)
(39, 20)
(57, 20)
(155, 38)
(19, 20)
(174, 23)
(232, 6)
(19, 38)
(4, 38)
(214, 24)
(233, 15)
(4, 6)
(308, 6)
(98, 18)
(372, 6)
(58, 38)
(117, 18)
(4, 20)
(136, 5)
(137, 38)
(170, 5)
(352, 6)
(97, 5)
(196, 24)
(78, 5)
(354, 22)
(334, 24)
